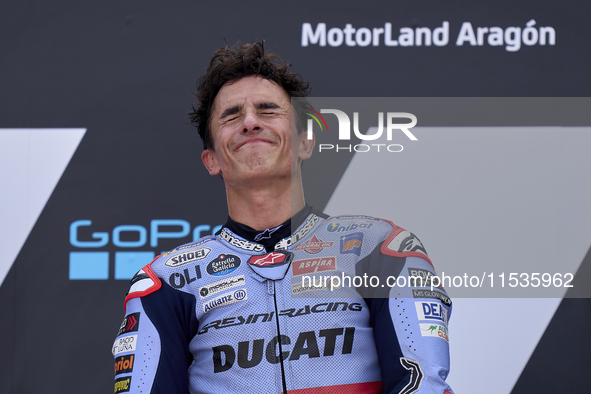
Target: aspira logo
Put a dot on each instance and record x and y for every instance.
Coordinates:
(373, 133)
(132, 240)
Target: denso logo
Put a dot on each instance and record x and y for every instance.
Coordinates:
(431, 311)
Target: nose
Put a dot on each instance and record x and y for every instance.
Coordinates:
(251, 122)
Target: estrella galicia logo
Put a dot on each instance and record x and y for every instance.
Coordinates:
(224, 264)
(130, 323)
(351, 243)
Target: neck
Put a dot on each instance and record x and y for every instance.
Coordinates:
(268, 206)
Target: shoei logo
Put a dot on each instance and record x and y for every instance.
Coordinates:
(373, 134)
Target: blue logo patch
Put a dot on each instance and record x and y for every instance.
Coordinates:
(351, 243)
(224, 264)
(240, 294)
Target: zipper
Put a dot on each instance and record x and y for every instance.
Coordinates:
(271, 290)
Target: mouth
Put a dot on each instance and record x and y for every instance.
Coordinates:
(252, 141)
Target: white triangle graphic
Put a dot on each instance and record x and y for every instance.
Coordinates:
(484, 199)
(32, 162)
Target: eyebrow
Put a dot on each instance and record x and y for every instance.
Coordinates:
(231, 111)
(237, 108)
(266, 105)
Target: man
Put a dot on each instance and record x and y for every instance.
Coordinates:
(224, 314)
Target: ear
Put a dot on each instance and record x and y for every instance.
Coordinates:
(306, 145)
(210, 162)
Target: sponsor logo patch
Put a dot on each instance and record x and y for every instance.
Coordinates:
(224, 264)
(122, 385)
(241, 243)
(178, 280)
(130, 323)
(124, 364)
(187, 257)
(434, 330)
(266, 234)
(273, 259)
(420, 277)
(222, 285)
(314, 245)
(124, 344)
(291, 312)
(406, 242)
(310, 266)
(192, 245)
(301, 233)
(298, 288)
(432, 294)
(305, 347)
(351, 243)
(341, 228)
(225, 299)
(431, 311)
(353, 217)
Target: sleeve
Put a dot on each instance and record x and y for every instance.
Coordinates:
(410, 320)
(152, 346)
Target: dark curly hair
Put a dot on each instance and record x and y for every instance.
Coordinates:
(231, 64)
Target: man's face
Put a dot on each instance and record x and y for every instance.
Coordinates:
(251, 130)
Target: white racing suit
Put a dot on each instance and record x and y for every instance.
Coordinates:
(221, 315)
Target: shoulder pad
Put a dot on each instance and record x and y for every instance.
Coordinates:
(351, 217)
(191, 245)
(143, 283)
(403, 243)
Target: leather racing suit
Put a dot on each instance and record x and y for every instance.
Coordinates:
(224, 315)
